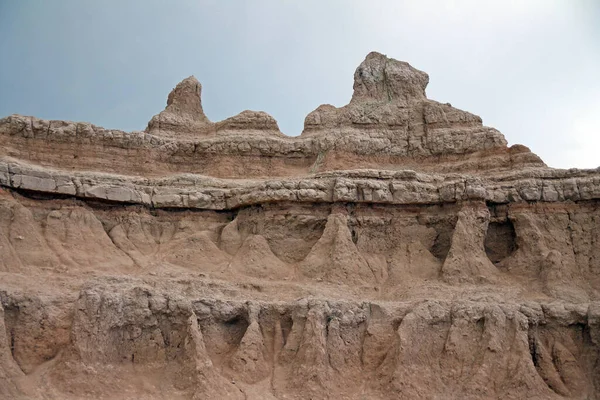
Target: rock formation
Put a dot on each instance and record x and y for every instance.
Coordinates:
(183, 117)
(397, 248)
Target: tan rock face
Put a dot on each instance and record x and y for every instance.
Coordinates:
(335, 258)
(467, 260)
(396, 249)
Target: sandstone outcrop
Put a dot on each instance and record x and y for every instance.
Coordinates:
(397, 248)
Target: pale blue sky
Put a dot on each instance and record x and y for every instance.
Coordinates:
(529, 68)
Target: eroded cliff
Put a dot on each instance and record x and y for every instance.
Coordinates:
(397, 248)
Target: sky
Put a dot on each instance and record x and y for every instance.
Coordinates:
(529, 68)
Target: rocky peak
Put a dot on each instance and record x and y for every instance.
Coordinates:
(186, 99)
(379, 78)
(183, 114)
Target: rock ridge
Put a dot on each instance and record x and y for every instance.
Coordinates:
(389, 121)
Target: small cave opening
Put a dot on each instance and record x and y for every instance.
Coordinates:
(286, 326)
(223, 330)
(533, 351)
(233, 321)
(443, 239)
(235, 328)
(354, 236)
(500, 240)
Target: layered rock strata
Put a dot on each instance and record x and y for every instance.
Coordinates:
(389, 124)
(396, 249)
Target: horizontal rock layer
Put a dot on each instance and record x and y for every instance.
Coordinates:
(251, 153)
(362, 186)
(382, 247)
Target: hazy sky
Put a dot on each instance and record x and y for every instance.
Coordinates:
(529, 68)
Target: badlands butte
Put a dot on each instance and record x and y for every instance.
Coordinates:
(396, 249)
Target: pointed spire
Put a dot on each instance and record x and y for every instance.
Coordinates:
(381, 78)
(183, 115)
(186, 99)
